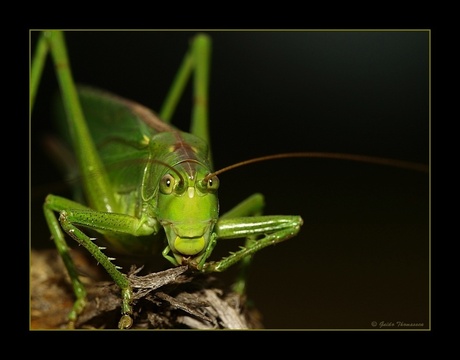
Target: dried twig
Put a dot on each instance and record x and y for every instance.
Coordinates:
(176, 298)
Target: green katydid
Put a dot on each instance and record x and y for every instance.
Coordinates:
(172, 175)
(173, 189)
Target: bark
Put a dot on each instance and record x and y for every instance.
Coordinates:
(176, 298)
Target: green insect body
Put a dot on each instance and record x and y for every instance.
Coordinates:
(156, 173)
(143, 179)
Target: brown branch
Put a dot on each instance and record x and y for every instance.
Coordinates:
(172, 299)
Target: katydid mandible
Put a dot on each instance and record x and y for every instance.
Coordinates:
(170, 187)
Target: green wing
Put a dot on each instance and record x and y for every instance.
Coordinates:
(121, 130)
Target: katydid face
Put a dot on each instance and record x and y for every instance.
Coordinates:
(189, 210)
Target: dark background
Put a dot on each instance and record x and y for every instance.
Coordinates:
(363, 252)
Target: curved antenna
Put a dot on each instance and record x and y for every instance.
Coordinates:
(327, 155)
(66, 162)
(129, 162)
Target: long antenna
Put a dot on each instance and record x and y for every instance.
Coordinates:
(328, 155)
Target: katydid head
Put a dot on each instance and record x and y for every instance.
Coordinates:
(188, 209)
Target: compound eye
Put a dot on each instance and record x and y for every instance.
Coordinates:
(212, 183)
(167, 184)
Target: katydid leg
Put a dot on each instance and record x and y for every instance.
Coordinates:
(95, 181)
(251, 206)
(201, 54)
(196, 61)
(273, 229)
(94, 176)
(63, 250)
(77, 213)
